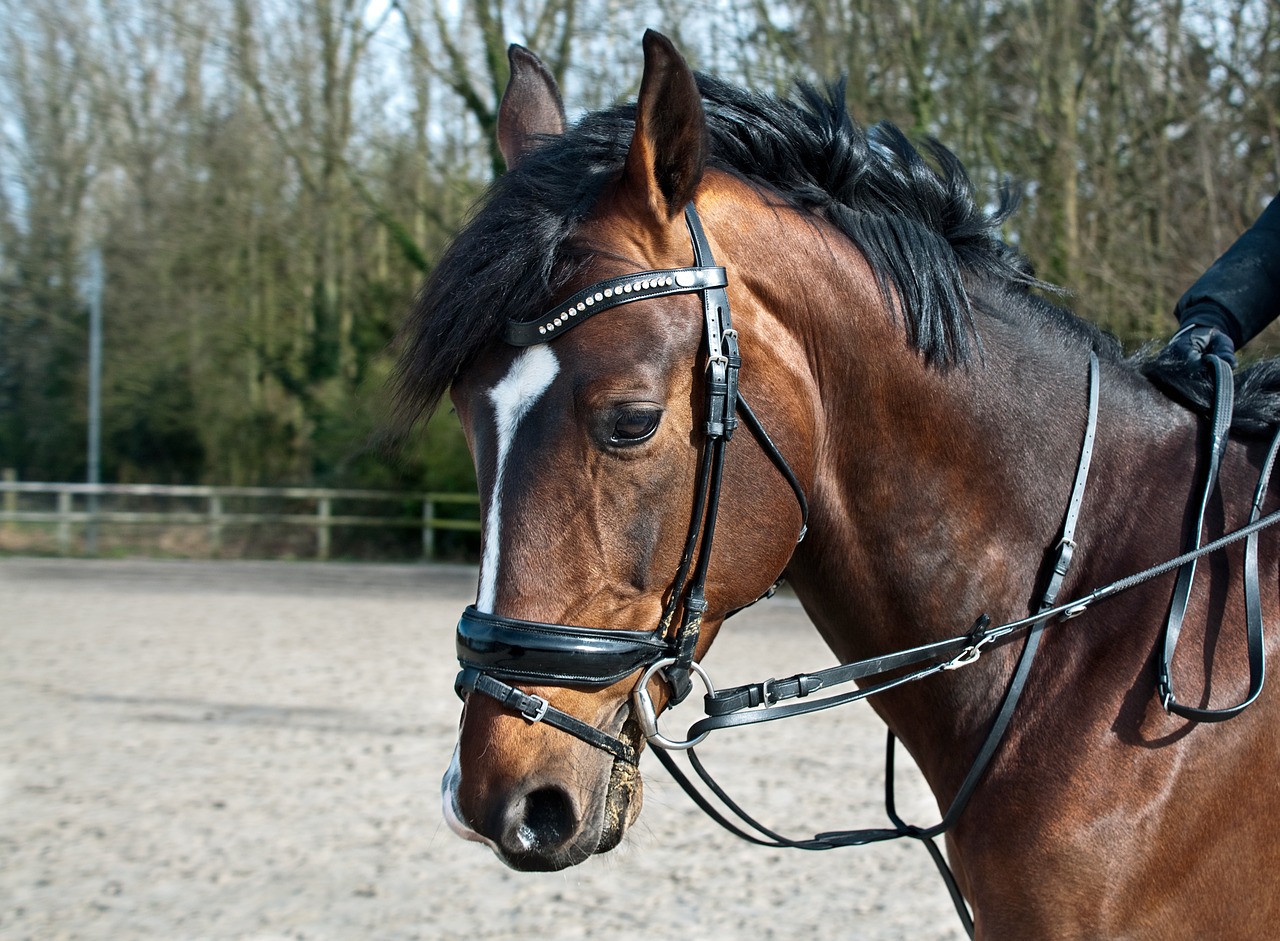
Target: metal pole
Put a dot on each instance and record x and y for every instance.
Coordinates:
(95, 288)
(64, 522)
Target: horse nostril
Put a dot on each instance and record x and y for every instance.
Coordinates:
(547, 820)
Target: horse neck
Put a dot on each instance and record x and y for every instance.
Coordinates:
(937, 491)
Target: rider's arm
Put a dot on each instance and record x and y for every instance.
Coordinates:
(1240, 293)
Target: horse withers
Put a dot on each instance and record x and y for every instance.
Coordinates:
(918, 409)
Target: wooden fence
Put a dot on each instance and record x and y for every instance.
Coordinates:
(89, 505)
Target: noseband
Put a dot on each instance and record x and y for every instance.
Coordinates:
(496, 652)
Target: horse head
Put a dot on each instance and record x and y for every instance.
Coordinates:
(593, 458)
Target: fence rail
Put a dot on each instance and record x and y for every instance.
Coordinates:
(79, 504)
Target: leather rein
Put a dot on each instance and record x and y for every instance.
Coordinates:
(496, 652)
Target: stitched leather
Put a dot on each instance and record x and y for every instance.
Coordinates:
(510, 648)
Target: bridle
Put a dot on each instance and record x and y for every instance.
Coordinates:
(496, 652)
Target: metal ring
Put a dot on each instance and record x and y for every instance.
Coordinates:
(647, 716)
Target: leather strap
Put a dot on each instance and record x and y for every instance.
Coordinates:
(1221, 425)
(725, 707)
(553, 654)
(723, 365)
(537, 709)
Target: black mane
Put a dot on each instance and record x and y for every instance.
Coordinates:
(911, 211)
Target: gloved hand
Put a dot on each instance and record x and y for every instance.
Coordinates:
(1194, 341)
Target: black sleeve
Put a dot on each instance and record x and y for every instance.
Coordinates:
(1240, 292)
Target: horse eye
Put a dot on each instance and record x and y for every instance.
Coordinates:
(635, 425)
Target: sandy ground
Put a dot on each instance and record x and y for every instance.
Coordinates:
(195, 750)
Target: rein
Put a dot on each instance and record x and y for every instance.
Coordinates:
(495, 652)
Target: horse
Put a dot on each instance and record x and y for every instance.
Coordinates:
(919, 413)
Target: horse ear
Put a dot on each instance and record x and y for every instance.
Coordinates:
(669, 148)
(531, 107)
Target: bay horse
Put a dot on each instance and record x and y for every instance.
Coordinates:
(917, 412)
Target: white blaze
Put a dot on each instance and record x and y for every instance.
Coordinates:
(529, 377)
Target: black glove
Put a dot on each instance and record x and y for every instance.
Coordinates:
(1196, 340)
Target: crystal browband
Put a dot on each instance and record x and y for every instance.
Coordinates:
(613, 292)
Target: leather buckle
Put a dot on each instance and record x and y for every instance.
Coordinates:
(767, 695)
(539, 705)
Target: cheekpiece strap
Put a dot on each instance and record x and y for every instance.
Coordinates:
(723, 359)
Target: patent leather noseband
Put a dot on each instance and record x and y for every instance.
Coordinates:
(496, 652)
(552, 654)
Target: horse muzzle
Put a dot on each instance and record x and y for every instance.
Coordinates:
(540, 823)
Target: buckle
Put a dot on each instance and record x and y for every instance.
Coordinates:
(539, 706)
(767, 696)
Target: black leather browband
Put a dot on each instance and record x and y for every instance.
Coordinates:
(552, 654)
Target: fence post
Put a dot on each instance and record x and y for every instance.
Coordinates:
(10, 496)
(64, 522)
(428, 530)
(215, 525)
(91, 527)
(324, 510)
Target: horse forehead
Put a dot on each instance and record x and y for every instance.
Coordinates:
(504, 383)
(524, 383)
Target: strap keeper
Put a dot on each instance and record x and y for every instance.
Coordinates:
(1066, 549)
(465, 682)
(1164, 686)
(806, 684)
(680, 682)
(978, 633)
